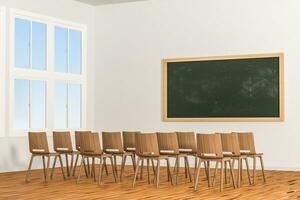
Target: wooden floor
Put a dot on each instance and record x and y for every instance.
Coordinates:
(280, 185)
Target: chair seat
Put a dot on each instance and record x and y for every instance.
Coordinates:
(251, 154)
(64, 151)
(234, 156)
(45, 154)
(214, 158)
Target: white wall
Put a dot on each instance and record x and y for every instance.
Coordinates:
(132, 38)
(14, 152)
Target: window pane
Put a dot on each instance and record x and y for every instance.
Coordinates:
(61, 49)
(74, 105)
(22, 40)
(21, 104)
(60, 106)
(75, 52)
(38, 104)
(39, 38)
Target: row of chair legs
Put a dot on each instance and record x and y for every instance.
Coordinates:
(138, 168)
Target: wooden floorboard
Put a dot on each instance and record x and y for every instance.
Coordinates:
(279, 185)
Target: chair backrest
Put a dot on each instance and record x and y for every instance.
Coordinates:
(77, 138)
(112, 142)
(209, 145)
(246, 141)
(168, 143)
(90, 143)
(97, 143)
(230, 143)
(129, 140)
(62, 141)
(146, 144)
(187, 141)
(38, 142)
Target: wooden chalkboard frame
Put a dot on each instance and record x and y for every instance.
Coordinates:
(229, 119)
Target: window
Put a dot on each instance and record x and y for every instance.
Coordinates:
(30, 44)
(2, 71)
(47, 74)
(30, 104)
(67, 112)
(68, 50)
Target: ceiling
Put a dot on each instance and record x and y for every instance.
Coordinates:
(103, 2)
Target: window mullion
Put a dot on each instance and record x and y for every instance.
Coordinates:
(68, 52)
(67, 105)
(30, 46)
(29, 105)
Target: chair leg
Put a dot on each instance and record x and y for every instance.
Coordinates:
(122, 167)
(254, 169)
(115, 164)
(262, 168)
(177, 169)
(153, 167)
(72, 162)
(133, 162)
(80, 168)
(222, 175)
(188, 168)
(215, 174)
(248, 171)
(53, 167)
(205, 167)
(208, 173)
(113, 169)
(67, 165)
(136, 172)
(44, 169)
(157, 172)
(47, 168)
(88, 166)
(29, 169)
(197, 174)
(85, 168)
(239, 173)
(100, 171)
(61, 167)
(142, 168)
(148, 171)
(169, 171)
(195, 167)
(185, 169)
(94, 169)
(225, 172)
(231, 173)
(105, 166)
(241, 169)
(75, 164)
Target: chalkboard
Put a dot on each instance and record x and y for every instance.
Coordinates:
(228, 88)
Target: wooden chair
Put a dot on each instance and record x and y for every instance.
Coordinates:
(231, 148)
(90, 147)
(209, 148)
(77, 152)
(63, 145)
(168, 145)
(129, 144)
(38, 146)
(147, 148)
(187, 144)
(112, 144)
(247, 147)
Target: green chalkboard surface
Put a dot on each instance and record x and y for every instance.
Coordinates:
(235, 88)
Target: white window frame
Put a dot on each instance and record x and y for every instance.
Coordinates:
(2, 70)
(49, 75)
